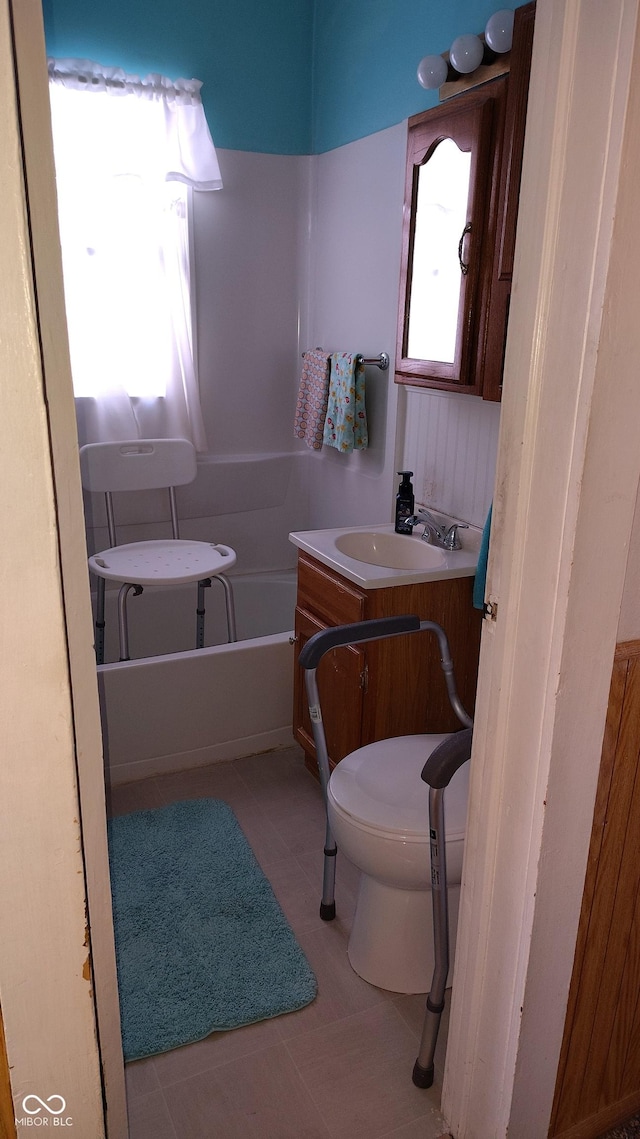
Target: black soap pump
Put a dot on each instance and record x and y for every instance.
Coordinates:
(404, 504)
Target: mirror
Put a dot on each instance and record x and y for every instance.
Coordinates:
(441, 219)
(452, 170)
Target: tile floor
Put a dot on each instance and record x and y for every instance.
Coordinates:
(338, 1069)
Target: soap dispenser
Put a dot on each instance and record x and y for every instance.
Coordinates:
(404, 503)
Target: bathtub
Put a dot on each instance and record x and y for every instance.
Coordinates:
(172, 707)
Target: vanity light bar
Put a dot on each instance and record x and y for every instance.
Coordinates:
(468, 52)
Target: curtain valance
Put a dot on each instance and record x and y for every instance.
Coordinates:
(171, 116)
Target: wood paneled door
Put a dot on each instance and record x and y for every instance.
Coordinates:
(598, 1083)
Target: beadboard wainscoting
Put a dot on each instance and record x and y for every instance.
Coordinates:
(450, 442)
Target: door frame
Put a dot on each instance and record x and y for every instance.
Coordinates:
(57, 970)
(566, 487)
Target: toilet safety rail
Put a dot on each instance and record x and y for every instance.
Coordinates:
(438, 771)
(310, 657)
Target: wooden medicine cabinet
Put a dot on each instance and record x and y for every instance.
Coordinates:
(464, 161)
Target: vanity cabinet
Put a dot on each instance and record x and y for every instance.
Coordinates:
(384, 688)
(464, 162)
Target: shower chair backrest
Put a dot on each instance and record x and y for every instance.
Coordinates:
(135, 465)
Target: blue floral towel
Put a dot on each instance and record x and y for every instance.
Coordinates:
(345, 427)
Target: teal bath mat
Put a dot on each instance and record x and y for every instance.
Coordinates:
(201, 942)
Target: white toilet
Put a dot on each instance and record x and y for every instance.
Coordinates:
(378, 809)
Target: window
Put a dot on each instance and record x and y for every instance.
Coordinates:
(128, 153)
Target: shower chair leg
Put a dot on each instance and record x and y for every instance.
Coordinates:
(200, 612)
(100, 621)
(123, 625)
(229, 606)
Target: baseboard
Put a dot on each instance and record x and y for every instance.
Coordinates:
(200, 757)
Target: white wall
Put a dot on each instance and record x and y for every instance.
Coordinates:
(356, 210)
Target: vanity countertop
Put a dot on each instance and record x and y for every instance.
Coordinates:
(413, 560)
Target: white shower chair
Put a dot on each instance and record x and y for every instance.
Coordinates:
(150, 464)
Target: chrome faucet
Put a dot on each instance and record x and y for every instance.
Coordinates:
(446, 537)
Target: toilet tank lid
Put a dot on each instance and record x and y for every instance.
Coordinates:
(380, 785)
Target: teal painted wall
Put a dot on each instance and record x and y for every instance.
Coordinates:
(286, 77)
(366, 53)
(254, 58)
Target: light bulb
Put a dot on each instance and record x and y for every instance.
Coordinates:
(432, 71)
(499, 31)
(466, 53)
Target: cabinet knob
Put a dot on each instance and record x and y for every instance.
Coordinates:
(293, 640)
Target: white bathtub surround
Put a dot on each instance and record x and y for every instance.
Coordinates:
(250, 249)
(189, 708)
(355, 213)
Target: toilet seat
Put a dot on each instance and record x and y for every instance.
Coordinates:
(379, 788)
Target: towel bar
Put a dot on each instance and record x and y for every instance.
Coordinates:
(381, 361)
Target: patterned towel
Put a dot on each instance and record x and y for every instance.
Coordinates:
(313, 395)
(346, 423)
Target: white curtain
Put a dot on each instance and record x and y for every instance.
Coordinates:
(128, 153)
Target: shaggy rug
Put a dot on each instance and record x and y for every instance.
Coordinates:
(201, 942)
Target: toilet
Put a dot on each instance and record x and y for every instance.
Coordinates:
(378, 810)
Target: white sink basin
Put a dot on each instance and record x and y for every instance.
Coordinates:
(397, 551)
(375, 557)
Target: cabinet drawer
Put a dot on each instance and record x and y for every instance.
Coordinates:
(328, 595)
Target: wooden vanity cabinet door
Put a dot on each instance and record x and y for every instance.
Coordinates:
(341, 678)
(326, 599)
(406, 691)
(383, 688)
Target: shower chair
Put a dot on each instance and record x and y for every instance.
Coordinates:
(150, 464)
